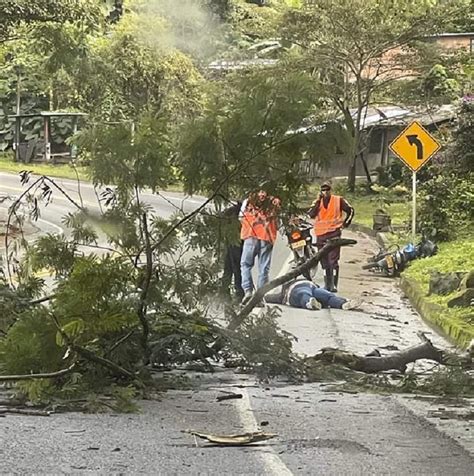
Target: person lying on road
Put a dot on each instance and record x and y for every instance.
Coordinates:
(307, 295)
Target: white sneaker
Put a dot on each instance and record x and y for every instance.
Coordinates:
(313, 304)
(352, 304)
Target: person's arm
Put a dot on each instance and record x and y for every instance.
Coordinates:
(348, 210)
(242, 209)
(314, 210)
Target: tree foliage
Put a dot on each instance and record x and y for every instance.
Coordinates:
(248, 133)
(447, 191)
(15, 13)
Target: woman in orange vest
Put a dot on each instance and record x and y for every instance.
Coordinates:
(258, 217)
(327, 212)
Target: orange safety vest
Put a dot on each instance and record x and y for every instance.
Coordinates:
(256, 224)
(330, 218)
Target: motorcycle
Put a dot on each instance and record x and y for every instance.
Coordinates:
(393, 261)
(300, 241)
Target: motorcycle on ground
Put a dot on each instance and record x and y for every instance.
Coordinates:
(392, 261)
(300, 241)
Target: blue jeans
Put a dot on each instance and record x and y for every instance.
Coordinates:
(254, 247)
(302, 293)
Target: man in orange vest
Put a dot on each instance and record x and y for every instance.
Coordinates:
(258, 217)
(327, 211)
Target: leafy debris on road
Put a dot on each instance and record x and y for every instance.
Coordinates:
(233, 440)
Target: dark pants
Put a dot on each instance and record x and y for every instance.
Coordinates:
(331, 260)
(232, 257)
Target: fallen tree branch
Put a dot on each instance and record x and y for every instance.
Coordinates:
(88, 355)
(119, 342)
(116, 369)
(376, 363)
(23, 411)
(59, 373)
(145, 286)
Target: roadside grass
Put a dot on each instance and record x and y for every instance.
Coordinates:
(365, 207)
(7, 164)
(455, 256)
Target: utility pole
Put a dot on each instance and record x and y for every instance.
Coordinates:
(17, 69)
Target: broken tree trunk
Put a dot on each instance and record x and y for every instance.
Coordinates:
(377, 363)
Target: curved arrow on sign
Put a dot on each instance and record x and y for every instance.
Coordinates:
(413, 140)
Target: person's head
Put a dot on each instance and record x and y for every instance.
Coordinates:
(326, 189)
(262, 195)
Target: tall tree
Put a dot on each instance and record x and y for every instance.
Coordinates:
(355, 48)
(15, 13)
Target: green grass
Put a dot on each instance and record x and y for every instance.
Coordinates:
(7, 164)
(456, 256)
(365, 207)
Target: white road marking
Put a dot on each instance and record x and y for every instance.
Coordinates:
(180, 200)
(56, 197)
(271, 461)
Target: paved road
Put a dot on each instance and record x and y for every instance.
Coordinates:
(320, 432)
(166, 203)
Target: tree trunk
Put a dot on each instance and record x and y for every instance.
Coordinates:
(377, 363)
(366, 169)
(351, 176)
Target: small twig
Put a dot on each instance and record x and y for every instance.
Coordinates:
(232, 396)
(142, 306)
(59, 373)
(88, 355)
(22, 411)
(120, 342)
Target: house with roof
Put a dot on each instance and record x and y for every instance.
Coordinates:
(380, 127)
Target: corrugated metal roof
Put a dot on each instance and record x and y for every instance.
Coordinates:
(242, 64)
(49, 114)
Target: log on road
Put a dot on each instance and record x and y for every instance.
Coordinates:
(376, 363)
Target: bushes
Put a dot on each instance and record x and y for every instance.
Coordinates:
(446, 209)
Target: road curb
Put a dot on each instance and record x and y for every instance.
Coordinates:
(458, 331)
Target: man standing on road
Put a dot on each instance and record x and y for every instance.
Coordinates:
(258, 217)
(328, 222)
(233, 250)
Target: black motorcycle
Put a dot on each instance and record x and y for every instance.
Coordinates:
(393, 261)
(300, 241)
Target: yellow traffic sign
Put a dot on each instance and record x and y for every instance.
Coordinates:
(415, 146)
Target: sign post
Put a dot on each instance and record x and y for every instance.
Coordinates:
(413, 211)
(414, 146)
